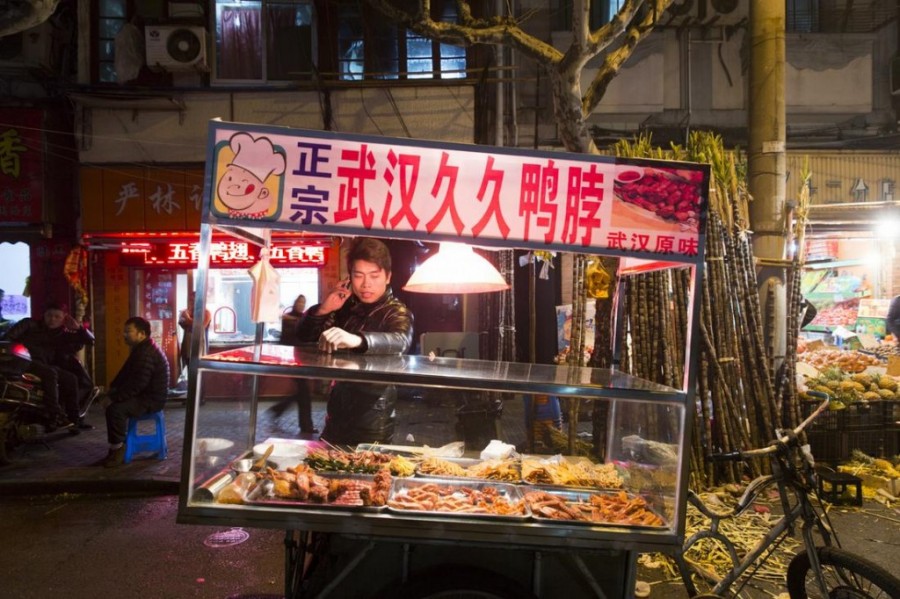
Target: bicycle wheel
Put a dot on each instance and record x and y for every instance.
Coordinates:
(846, 576)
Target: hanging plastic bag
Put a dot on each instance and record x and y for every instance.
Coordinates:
(264, 304)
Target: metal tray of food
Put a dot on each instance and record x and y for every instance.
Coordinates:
(460, 469)
(457, 499)
(614, 508)
(578, 471)
(323, 485)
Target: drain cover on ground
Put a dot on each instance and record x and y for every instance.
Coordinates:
(227, 538)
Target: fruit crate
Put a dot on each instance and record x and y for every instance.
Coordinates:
(875, 443)
(828, 447)
(890, 409)
(860, 415)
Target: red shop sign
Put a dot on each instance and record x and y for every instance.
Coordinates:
(21, 167)
(223, 254)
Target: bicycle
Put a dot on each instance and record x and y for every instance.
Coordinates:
(820, 571)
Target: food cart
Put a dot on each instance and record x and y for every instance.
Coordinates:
(347, 185)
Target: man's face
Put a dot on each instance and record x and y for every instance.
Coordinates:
(133, 335)
(239, 189)
(54, 318)
(368, 281)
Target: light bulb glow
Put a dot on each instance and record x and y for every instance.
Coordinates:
(456, 268)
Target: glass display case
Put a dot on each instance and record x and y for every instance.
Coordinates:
(645, 462)
(452, 477)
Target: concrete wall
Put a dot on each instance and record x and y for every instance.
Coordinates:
(173, 128)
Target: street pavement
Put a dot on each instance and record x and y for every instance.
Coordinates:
(74, 528)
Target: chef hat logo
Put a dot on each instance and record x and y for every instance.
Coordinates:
(257, 156)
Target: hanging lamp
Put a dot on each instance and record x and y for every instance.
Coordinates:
(456, 268)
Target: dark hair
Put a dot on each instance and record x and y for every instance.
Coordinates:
(56, 306)
(140, 324)
(370, 250)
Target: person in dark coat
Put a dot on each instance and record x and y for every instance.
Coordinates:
(53, 343)
(361, 315)
(303, 395)
(892, 324)
(140, 387)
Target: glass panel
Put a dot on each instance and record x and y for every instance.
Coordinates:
(350, 43)
(384, 64)
(289, 42)
(106, 50)
(108, 28)
(111, 8)
(645, 441)
(418, 47)
(454, 68)
(238, 40)
(420, 68)
(640, 453)
(802, 16)
(107, 72)
(481, 374)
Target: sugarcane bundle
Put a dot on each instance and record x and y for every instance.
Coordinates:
(735, 390)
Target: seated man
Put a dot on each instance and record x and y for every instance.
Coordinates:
(53, 343)
(140, 387)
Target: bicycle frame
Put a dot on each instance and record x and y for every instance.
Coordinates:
(790, 481)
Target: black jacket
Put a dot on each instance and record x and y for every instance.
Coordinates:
(145, 376)
(893, 318)
(50, 346)
(363, 413)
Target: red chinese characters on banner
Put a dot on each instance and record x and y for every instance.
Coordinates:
(407, 178)
(483, 194)
(21, 167)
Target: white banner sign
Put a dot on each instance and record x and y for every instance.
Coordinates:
(344, 184)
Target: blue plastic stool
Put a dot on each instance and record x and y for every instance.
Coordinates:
(156, 442)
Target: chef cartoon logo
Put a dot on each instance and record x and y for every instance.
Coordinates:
(249, 174)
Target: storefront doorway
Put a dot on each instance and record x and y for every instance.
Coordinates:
(16, 302)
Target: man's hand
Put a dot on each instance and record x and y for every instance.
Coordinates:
(334, 339)
(70, 323)
(335, 298)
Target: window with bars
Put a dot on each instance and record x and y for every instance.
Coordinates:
(394, 52)
(264, 40)
(111, 16)
(802, 16)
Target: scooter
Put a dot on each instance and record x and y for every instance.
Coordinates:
(23, 416)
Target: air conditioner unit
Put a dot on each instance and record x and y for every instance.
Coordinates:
(709, 12)
(29, 49)
(176, 48)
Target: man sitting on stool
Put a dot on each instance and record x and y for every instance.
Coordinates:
(140, 387)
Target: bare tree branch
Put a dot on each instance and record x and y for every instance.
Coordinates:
(633, 22)
(634, 33)
(19, 15)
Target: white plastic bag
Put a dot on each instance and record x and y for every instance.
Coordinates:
(264, 305)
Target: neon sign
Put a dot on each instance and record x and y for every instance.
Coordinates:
(223, 254)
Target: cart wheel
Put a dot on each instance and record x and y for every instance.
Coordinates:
(461, 583)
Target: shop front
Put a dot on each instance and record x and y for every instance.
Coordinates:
(37, 219)
(141, 230)
(852, 271)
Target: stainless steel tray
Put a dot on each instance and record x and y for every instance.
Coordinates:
(346, 504)
(573, 498)
(465, 463)
(539, 459)
(456, 488)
